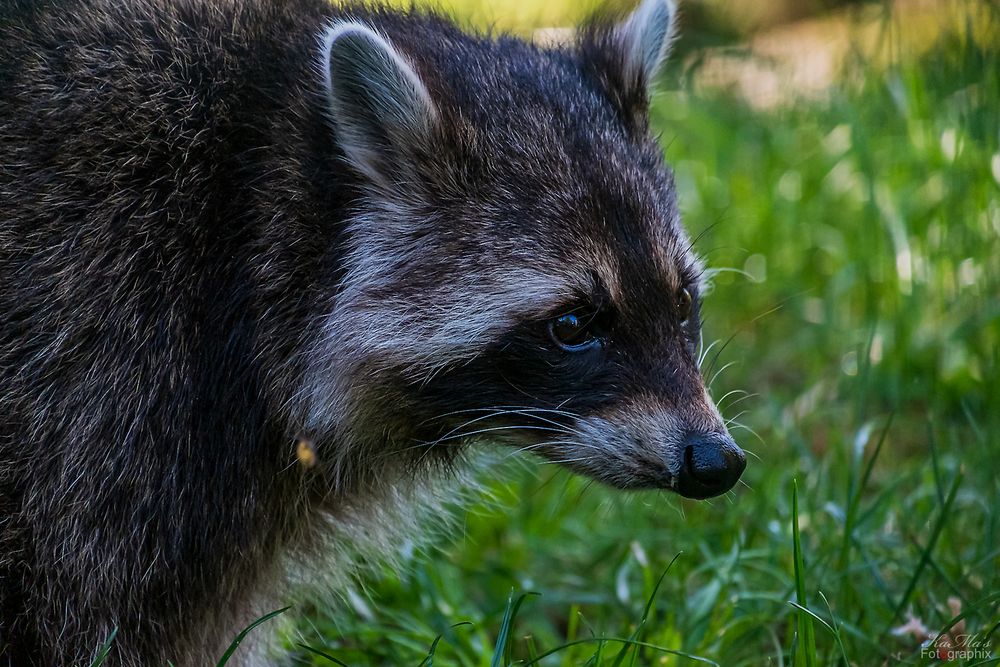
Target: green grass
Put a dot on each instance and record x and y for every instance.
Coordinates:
(865, 323)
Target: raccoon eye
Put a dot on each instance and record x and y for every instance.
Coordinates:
(684, 304)
(573, 332)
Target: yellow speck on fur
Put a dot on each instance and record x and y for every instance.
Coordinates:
(305, 453)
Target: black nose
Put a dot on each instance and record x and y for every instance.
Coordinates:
(712, 465)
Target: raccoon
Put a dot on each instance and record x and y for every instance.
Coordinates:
(271, 269)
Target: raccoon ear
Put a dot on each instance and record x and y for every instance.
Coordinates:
(626, 56)
(381, 110)
(646, 36)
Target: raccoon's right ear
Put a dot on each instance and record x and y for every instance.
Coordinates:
(626, 55)
(381, 110)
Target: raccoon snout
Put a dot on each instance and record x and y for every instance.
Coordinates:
(711, 466)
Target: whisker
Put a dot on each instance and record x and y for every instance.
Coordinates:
(720, 371)
(499, 412)
(738, 425)
(500, 408)
(722, 349)
(701, 234)
(550, 443)
(470, 422)
(491, 429)
(732, 420)
(565, 461)
(742, 398)
(710, 273)
(727, 395)
(705, 351)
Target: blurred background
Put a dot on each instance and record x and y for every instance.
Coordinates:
(839, 163)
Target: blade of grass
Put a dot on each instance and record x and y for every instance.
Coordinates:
(925, 555)
(603, 640)
(429, 660)
(246, 631)
(855, 490)
(857, 483)
(836, 630)
(645, 613)
(805, 625)
(102, 653)
(323, 655)
(501, 653)
(878, 449)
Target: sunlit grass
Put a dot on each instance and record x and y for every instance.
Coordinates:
(518, 17)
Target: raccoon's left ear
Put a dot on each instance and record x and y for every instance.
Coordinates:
(627, 55)
(382, 112)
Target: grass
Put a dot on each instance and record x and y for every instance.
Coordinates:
(865, 322)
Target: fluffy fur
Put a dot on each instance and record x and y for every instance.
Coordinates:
(229, 225)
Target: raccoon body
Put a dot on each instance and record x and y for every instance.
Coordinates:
(269, 268)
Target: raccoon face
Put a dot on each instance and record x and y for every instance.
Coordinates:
(516, 271)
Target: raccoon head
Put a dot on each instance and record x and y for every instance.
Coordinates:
(516, 270)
